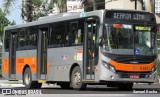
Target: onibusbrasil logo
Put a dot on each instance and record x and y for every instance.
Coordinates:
(20, 92)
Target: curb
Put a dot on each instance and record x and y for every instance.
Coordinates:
(4, 85)
(11, 85)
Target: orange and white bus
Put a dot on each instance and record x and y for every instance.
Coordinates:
(111, 47)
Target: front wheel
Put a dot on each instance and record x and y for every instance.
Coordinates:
(27, 80)
(76, 79)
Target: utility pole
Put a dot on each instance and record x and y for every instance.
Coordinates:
(135, 4)
(153, 6)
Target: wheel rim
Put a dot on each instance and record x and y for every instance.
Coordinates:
(77, 78)
(27, 79)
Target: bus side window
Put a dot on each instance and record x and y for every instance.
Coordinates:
(7, 40)
(22, 39)
(75, 33)
(56, 35)
(32, 37)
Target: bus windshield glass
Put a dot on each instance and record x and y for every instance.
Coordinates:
(130, 39)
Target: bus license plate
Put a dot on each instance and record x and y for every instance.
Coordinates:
(134, 76)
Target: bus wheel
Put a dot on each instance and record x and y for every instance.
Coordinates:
(76, 79)
(125, 86)
(27, 80)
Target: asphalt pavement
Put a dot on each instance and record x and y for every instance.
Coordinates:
(139, 90)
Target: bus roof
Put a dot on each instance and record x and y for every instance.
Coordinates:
(68, 16)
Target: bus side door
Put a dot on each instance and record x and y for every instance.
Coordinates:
(42, 53)
(90, 49)
(12, 55)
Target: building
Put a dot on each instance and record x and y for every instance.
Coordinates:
(157, 6)
(153, 6)
(74, 6)
(124, 4)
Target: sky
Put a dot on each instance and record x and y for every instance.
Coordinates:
(15, 11)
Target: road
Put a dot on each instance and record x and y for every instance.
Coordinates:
(98, 89)
(92, 91)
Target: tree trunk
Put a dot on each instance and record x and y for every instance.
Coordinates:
(94, 5)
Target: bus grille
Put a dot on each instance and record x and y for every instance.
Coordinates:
(127, 75)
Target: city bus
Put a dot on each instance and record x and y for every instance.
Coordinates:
(111, 47)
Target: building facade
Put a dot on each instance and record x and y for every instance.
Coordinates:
(123, 4)
(157, 6)
(72, 6)
(75, 6)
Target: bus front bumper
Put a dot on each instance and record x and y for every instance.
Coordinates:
(106, 75)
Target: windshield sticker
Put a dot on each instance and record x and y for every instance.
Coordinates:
(142, 28)
(136, 51)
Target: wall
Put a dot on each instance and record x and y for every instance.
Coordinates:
(122, 4)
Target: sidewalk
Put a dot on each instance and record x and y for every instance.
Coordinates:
(10, 84)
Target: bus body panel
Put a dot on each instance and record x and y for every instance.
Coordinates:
(61, 60)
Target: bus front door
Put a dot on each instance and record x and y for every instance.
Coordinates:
(42, 54)
(12, 56)
(90, 54)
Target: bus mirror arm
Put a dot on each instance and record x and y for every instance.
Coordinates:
(100, 42)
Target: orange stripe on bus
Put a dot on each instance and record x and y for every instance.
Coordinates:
(21, 62)
(5, 65)
(133, 67)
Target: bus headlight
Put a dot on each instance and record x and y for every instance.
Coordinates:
(108, 66)
(112, 68)
(154, 69)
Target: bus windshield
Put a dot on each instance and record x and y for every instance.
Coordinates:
(130, 39)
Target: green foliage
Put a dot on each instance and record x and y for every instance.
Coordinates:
(33, 9)
(61, 4)
(4, 22)
(37, 3)
(158, 35)
(7, 4)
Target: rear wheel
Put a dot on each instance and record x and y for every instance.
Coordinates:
(76, 79)
(125, 86)
(27, 80)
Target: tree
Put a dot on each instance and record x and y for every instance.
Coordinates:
(61, 4)
(4, 22)
(7, 4)
(33, 9)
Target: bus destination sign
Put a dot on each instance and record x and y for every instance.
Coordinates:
(130, 16)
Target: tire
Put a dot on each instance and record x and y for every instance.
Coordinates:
(76, 79)
(125, 86)
(65, 85)
(27, 80)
